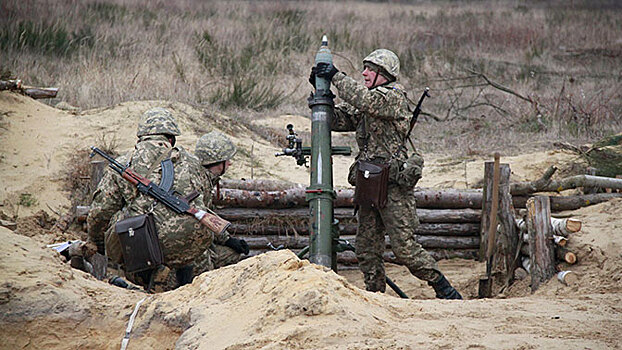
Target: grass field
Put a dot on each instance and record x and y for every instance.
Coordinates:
(503, 74)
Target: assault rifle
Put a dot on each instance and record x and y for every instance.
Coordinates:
(417, 111)
(413, 121)
(145, 186)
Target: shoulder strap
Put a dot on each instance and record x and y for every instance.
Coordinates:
(160, 159)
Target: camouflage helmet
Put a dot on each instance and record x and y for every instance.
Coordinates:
(214, 147)
(156, 121)
(385, 59)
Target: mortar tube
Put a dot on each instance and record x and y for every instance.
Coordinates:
(320, 193)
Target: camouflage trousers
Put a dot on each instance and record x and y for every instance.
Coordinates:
(398, 220)
(216, 256)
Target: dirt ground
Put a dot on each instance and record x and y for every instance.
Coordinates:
(274, 300)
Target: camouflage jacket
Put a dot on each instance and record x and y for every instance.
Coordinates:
(182, 237)
(208, 199)
(380, 116)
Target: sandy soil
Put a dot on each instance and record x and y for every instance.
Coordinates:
(275, 301)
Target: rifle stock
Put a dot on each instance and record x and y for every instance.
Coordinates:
(210, 220)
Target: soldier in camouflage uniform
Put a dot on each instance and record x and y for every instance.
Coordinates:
(182, 237)
(379, 113)
(215, 151)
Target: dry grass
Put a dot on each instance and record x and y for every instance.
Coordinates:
(563, 58)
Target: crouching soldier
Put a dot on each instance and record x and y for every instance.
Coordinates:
(215, 151)
(172, 241)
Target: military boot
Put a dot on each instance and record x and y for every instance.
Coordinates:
(444, 290)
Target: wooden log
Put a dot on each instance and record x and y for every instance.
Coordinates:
(449, 215)
(426, 229)
(590, 189)
(568, 278)
(525, 247)
(561, 227)
(426, 198)
(509, 235)
(448, 199)
(10, 84)
(259, 184)
(561, 203)
(299, 242)
(425, 215)
(38, 93)
(487, 206)
(31, 91)
(348, 258)
(565, 255)
(533, 186)
(541, 246)
(290, 198)
(560, 240)
(585, 181)
(295, 197)
(564, 227)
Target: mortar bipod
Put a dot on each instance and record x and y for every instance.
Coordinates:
(294, 148)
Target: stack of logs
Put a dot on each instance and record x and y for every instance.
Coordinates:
(272, 214)
(560, 231)
(536, 241)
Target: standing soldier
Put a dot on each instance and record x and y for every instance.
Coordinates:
(182, 238)
(379, 113)
(215, 151)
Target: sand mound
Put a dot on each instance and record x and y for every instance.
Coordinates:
(275, 301)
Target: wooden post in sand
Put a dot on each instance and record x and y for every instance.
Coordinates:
(541, 245)
(505, 212)
(509, 233)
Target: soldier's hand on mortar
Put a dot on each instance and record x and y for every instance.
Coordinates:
(239, 245)
(312, 76)
(326, 70)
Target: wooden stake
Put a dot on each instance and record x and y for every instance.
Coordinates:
(541, 246)
(485, 284)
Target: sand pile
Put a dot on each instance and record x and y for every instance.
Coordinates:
(275, 301)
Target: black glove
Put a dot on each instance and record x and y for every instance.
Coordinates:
(312, 76)
(326, 70)
(239, 245)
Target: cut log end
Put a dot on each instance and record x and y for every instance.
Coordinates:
(568, 278)
(573, 225)
(570, 258)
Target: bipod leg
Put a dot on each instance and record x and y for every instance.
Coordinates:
(396, 289)
(343, 245)
(301, 254)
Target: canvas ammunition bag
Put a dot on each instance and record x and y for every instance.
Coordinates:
(372, 181)
(139, 243)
